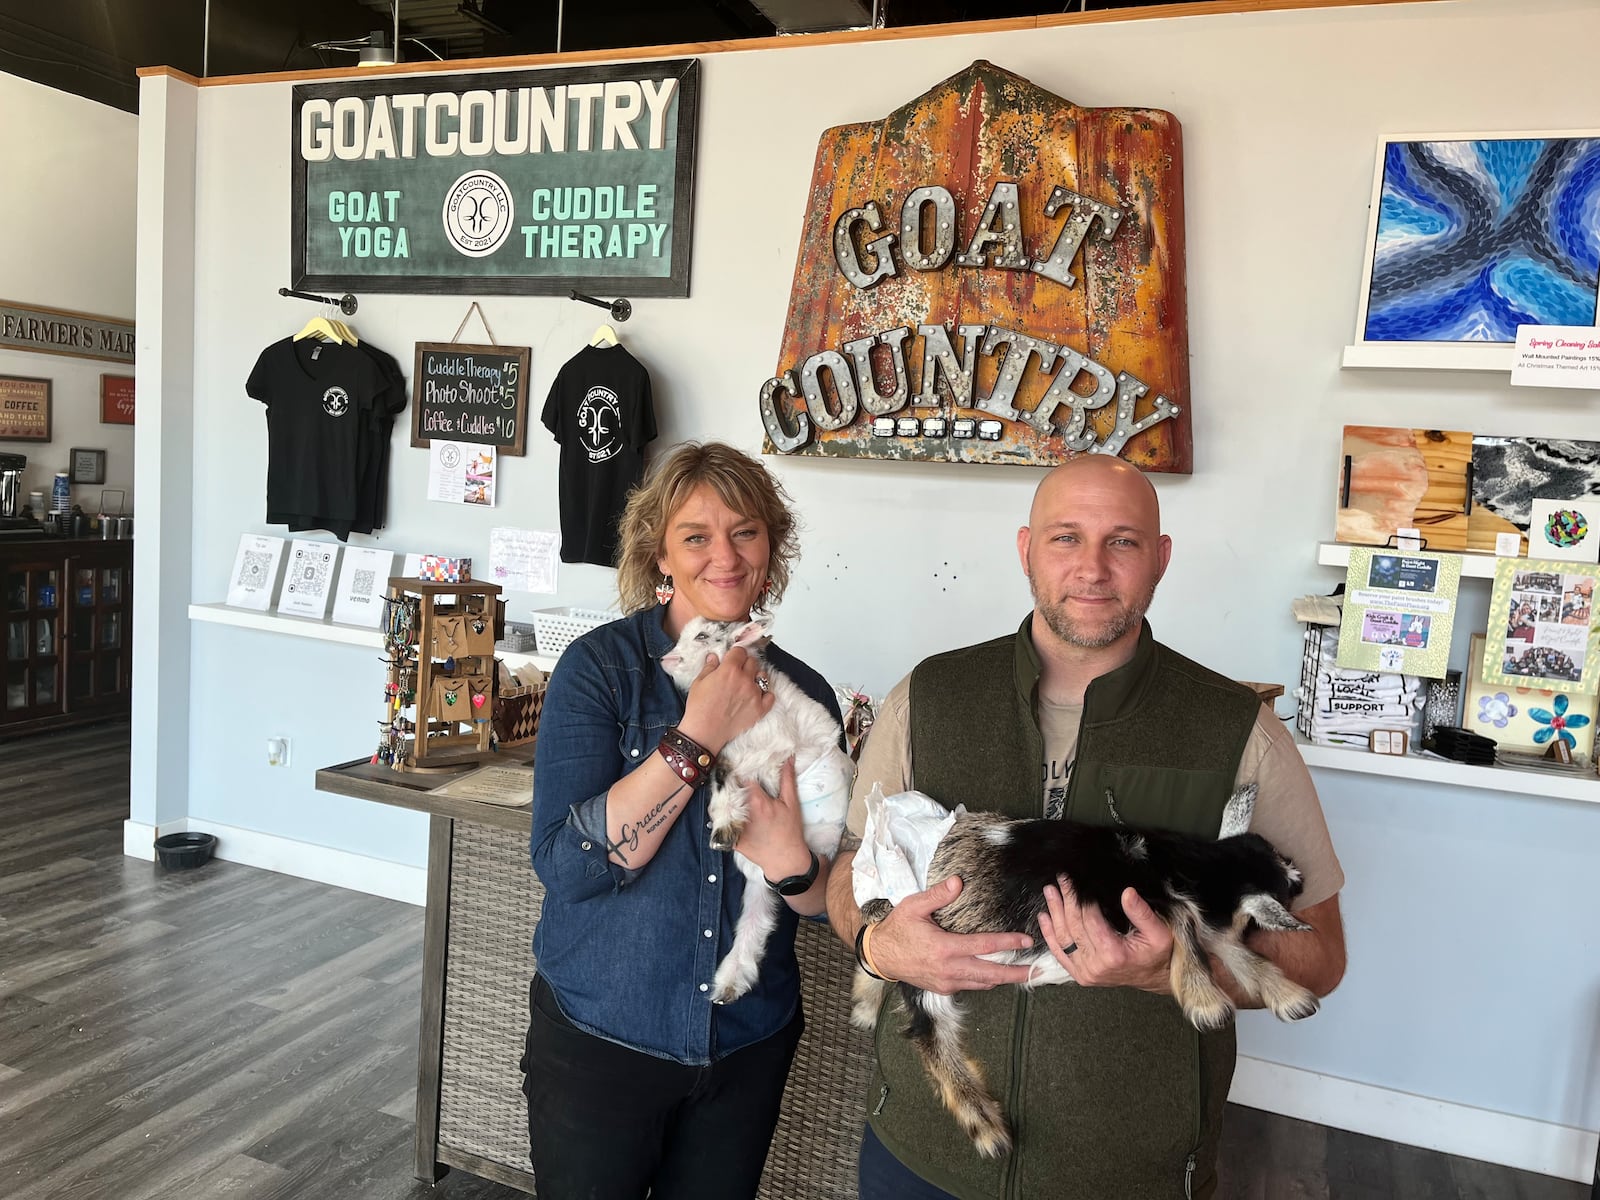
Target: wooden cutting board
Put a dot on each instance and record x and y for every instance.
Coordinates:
(1392, 478)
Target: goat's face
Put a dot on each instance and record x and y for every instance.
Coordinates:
(701, 638)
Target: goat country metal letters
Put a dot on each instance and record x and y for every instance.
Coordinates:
(1036, 251)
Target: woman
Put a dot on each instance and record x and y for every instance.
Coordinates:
(636, 1083)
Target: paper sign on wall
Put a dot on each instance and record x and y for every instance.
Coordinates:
(1564, 356)
(1399, 611)
(363, 583)
(523, 560)
(461, 473)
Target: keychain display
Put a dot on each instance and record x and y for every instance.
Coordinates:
(438, 697)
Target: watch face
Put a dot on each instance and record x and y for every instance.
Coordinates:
(798, 885)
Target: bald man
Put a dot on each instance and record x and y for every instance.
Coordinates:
(1081, 714)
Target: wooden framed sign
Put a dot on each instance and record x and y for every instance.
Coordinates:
(24, 409)
(116, 399)
(499, 183)
(470, 394)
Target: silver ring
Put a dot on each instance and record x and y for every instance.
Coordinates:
(1070, 948)
(763, 683)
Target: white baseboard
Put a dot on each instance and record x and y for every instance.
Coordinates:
(269, 851)
(1459, 1129)
(138, 840)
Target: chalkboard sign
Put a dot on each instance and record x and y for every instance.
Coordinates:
(470, 394)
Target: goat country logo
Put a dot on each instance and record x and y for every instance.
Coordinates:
(601, 421)
(478, 213)
(335, 401)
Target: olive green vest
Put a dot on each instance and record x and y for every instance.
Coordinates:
(1111, 1093)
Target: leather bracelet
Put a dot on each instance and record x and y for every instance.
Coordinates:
(688, 759)
(864, 957)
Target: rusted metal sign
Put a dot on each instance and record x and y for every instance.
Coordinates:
(990, 274)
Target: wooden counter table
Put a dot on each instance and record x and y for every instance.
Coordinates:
(483, 901)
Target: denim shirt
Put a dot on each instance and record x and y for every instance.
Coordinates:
(630, 954)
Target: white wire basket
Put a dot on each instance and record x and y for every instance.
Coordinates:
(556, 628)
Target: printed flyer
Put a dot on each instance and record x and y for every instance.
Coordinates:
(1399, 610)
(1541, 626)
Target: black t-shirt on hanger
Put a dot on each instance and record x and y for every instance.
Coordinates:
(601, 413)
(321, 399)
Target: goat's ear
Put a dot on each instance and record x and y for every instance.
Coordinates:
(1236, 814)
(753, 633)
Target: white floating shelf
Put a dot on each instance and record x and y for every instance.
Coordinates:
(1473, 565)
(1433, 770)
(324, 631)
(303, 627)
(1432, 356)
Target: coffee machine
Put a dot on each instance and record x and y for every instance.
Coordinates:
(12, 521)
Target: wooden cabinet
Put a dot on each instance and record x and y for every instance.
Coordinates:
(67, 609)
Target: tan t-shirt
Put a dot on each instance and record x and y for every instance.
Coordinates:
(1287, 811)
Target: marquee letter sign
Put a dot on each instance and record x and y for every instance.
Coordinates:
(990, 274)
(513, 182)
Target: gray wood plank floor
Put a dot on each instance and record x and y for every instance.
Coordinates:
(230, 1032)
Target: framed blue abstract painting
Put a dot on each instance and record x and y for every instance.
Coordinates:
(1472, 235)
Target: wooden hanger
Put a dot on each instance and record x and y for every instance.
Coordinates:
(604, 336)
(328, 330)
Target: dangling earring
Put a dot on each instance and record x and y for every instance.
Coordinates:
(766, 587)
(664, 590)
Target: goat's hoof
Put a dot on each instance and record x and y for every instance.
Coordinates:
(1297, 1008)
(1208, 1017)
(725, 837)
(725, 995)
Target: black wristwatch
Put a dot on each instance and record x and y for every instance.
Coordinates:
(798, 885)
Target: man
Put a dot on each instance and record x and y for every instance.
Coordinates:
(1081, 714)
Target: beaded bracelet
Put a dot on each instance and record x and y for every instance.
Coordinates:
(688, 759)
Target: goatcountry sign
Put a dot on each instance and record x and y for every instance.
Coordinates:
(990, 274)
(524, 182)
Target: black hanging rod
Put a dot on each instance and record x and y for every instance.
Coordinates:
(621, 310)
(346, 302)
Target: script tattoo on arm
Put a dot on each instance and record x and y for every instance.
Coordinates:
(650, 822)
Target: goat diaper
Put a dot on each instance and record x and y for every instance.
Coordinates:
(897, 844)
(824, 789)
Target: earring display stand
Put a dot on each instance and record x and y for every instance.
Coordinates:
(439, 639)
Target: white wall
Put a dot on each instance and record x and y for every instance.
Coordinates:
(1474, 979)
(67, 241)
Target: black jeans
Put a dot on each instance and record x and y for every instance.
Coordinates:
(882, 1176)
(609, 1123)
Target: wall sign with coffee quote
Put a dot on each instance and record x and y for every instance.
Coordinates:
(502, 183)
(990, 273)
(24, 409)
(116, 399)
(464, 393)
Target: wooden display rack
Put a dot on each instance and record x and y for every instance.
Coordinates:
(447, 678)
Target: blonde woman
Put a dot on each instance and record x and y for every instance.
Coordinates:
(636, 1083)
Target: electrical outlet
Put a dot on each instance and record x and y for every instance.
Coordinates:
(277, 752)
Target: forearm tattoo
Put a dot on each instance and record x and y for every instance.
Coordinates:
(652, 821)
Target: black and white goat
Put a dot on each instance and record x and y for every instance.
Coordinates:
(795, 725)
(1211, 893)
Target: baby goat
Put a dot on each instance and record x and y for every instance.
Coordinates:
(1209, 893)
(795, 725)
